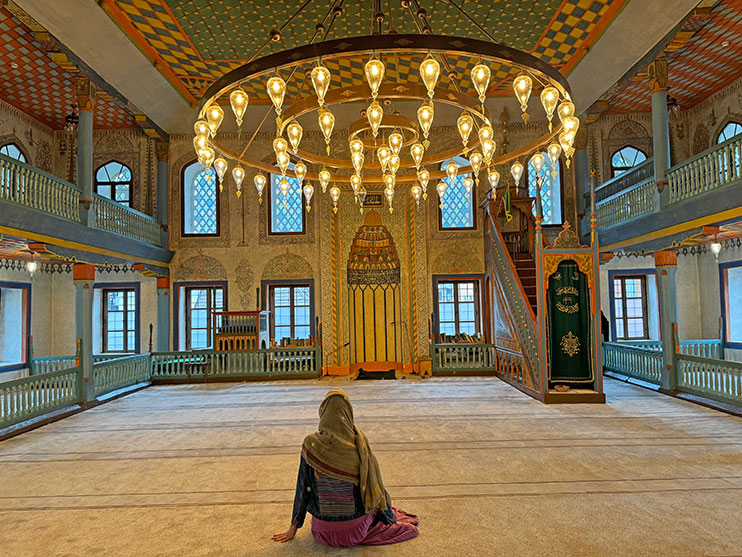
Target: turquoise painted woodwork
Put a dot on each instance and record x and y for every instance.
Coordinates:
(667, 288)
(660, 140)
(163, 319)
(29, 397)
(162, 201)
(85, 167)
(84, 337)
(463, 357)
(118, 373)
(715, 379)
(634, 361)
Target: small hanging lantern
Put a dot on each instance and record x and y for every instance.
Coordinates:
(423, 176)
(260, 182)
(300, 169)
(214, 116)
(324, 179)
(480, 78)
(549, 100)
(374, 70)
(417, 151)
(522, 85)
(441, 187)
(220, 165)
(308, 193)
(430, 71)
(295, 132)
(238, 99)
(517, 171)
(321, 78)
(335, 195)
(276, 88)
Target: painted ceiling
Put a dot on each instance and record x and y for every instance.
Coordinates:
(709, 61)
(35, 84)
(194, 43)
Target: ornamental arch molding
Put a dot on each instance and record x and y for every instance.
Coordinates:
(287, 266)
(625, 133)
(200, 268)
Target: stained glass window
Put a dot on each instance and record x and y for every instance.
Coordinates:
(286, 213)
(11, 150)
(200, 201)
(458, 207)
(730, 130)
(626, 158)
(551, 190)
(113, 180)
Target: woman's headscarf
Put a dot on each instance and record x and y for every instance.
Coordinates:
(340, 450)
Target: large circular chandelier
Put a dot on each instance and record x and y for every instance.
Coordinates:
(386, 148)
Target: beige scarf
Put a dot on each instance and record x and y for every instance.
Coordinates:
(340, 450)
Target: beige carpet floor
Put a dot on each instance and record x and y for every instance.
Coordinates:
(210, 470)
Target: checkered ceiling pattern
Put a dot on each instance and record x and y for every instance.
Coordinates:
(710, 60)
(199, 41)
(35, 84)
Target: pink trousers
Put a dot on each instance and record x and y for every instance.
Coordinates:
(363, 531)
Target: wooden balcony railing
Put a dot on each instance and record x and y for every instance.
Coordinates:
(712, 169)
(25, 185)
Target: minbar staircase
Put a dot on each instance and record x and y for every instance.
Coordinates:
(525, 266)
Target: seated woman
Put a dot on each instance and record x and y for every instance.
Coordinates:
(340, 485)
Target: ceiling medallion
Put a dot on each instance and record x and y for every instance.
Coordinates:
(386, 150)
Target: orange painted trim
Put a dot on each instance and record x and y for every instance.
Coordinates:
(83, 272)
(376, 366)
(133, 33)
(335, 370)
(163, 283)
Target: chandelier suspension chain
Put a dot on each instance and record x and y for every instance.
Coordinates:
(476, 23)
(318, 29)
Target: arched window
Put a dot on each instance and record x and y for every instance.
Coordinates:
(458, 208)
(729, 131)
(13, 151)
(551, 190)
(286, 213)
(113, 180)
(200, 201)
(626, 158)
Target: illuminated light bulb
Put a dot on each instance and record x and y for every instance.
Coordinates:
(488, 149)
(566, 139)
(335, 195)
(468, 184)
(201, 128)
(395, 142)
(494, 178)
(430, 71)
(486, 132)
(441, 187)
(238, 174)
(571, 124)
(522, 85)
(33, 266)
(566, 109)
(554, 151)
(283, 161)
(389, 180)
(425, 116)
(300, 169)
(374, 115)
(280, 146)
(200, 143)
(715, 248)
(423, 176)
(355, 182)
(356, 146)
(389, 193)
(220, 165)
(416, 192)
(214, 116)
(549, 100)
(260, 182)
(480, 78)
(321, 79)
(384, 153)
(417, 151)
(284, 187)
(308, 193)
(451, 170)
(358, 160)
(238, 99)
(475, 161)
(295, 132)
(465, 124)
(374, 70)
(394, 164)
(538, 161)
(208, 155)
(517, 171)
(326, 124)
(324, 179)
(276, 91)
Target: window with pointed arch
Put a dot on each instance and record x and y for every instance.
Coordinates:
(286, 212)
(730, 130)
(199, 201)
(457, 212)
(113, 180)
(551, 190)
(625, 159)
(12, 151)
